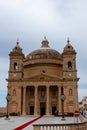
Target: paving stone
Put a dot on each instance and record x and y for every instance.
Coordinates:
(15, 121)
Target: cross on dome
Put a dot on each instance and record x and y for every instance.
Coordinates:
(68, 41)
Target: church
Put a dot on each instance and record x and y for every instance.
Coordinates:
(44, 81)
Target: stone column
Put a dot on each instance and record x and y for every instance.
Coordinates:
(47, 102)
(36, 101)
(59, 99)
(24, 101)
(19, 100)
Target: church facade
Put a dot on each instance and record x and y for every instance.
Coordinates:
(37, 82)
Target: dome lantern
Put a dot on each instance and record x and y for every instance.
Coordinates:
(45, 43)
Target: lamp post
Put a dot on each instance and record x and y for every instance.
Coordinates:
(8, 98)
(63, 97)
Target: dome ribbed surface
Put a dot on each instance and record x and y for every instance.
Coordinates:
(44, 52)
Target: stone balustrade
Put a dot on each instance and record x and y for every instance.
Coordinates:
(73, 126)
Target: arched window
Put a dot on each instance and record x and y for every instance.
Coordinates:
(69, 64)
(15, 66)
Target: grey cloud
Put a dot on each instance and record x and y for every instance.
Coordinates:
(30, 20)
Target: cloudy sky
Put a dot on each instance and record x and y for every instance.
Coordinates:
(30, 20)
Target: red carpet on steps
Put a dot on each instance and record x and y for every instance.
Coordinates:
(26, 124)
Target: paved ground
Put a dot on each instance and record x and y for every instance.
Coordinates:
(14, 122)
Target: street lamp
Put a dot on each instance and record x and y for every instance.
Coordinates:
(8, 98)
(63, 97)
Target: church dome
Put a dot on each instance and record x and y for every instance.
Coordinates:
(44, 52)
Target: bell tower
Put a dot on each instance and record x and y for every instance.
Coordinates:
(70, 76)
(69, 61)
(16, 62)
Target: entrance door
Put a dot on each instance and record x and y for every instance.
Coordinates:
(42, 108)
(53, 110)
(31, 110)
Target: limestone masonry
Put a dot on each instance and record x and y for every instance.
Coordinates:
(37, 81)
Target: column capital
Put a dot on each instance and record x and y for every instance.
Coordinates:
(60, 85)
(47, 86)
(19, 87)
(24, 86)
(36, 86)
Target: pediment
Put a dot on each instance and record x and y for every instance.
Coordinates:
(45, 77)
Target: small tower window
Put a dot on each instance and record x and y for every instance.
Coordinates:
(15, 66)
(68, 46)
(69, 64)
(16, 48)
